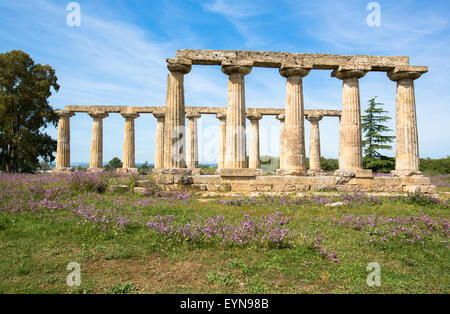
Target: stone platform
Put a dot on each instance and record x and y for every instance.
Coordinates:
(289, 184)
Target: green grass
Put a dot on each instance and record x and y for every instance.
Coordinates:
(35, 251)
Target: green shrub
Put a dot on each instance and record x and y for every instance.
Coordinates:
(121, 288)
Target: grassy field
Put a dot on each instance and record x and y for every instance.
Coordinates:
(182, 243)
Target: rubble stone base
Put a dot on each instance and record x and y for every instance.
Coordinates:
(173, 176)
(127, 170)
(63, 170)
(216, 183)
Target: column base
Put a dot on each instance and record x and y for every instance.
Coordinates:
(63, 170)
(196, 171)
(315, 172)
(405, 173)
(360, 173)
(96, 169)
(127, 170)
(173, 171)
(239, 172)
(170, 176)
(289, 172)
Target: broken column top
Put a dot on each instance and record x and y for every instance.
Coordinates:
(287, 59)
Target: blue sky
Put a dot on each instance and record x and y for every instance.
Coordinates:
(117, 57)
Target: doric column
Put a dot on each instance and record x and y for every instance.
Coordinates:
(96, 160)
(282, 142)
(254, 158)
(63, 146)
(314, 144)
(407, 146)
(340, 142)
(350, 127)
(235, 156)
(174, 134)
(128, 155)
(294, 121)
(222, 139)
(159, 143)
(192, 143)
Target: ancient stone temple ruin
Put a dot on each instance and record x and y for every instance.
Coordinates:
(176, 159)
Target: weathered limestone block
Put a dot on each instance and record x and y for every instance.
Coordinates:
(242, 172)
(277, 59)
(174, 176)
(415, 180)
(428, 189)
(118, 188)
(127, 170)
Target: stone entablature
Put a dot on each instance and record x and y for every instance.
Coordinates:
(269, 59)
(195, 109)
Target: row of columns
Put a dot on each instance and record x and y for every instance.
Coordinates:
(170, 138)
(96, 156)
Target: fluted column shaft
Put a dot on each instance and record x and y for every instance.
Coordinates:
(174, 133)
(350, 142)
(254, 156)
(407, 145)
(128, 155)
(235, 155)
(192, 143)
(295, 159)
(340, 143)
(222, 139)
(314, 143)
(282, 142)
(63, 144)
(96, 159)
(159, 142)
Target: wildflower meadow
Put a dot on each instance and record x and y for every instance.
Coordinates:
(184, 242)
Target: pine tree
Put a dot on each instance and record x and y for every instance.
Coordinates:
(373, 125)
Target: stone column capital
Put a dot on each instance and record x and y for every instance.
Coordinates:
(398, 76)
(221, 116)
(99, 115)
(64, 113)
(254, 116)
(281, 117)
(132, 115)
(184, 68)
(350, 72)
(314, 118)
(159, 115)
(294, 71)
(193, 115)
(241, 69)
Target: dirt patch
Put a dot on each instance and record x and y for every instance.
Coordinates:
(152, 274)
